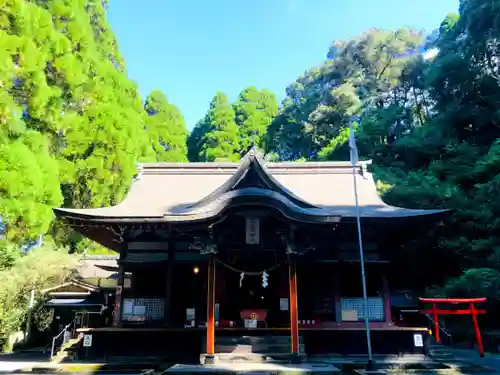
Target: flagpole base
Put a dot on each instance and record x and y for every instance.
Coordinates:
(369, 365)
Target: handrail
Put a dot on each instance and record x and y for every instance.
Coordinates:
(447, 333)
(58, 335)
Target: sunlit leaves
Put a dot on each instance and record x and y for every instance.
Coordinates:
(216, 135)
(166, 129)
(72, 122)
(254, 111)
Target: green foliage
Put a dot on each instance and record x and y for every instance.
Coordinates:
(477, 282)
(228, 132)
(166, 129)
(72, 123)
(430, 126)
(254, 111)
(324, 101)
(26, 199)
(38, 269)
(215, 138)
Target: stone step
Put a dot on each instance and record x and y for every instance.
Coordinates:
(433, 352)
(253, 357)
(261, 348)
(244, 347)
(254, 369)
(439, 350)
(66, 351)
(440, 353)
(251, 340)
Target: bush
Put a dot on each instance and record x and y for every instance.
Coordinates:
(38, 269)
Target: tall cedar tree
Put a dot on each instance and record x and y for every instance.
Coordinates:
(166, 128)
(220, 140)
(254, 112)
(72, 122)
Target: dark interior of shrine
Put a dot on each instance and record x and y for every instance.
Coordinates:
(318, 287)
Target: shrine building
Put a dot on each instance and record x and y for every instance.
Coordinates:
(256, 257)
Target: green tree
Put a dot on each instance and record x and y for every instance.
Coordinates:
(72, 122)
(430, 126)
(29, 186)
(220, 139)
(38, 269)
(195, 140)
(166, 128)
(254, 111)
(327, 98)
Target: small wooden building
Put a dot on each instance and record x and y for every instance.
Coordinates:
(74, 303)
(83, 300)
(220, 252)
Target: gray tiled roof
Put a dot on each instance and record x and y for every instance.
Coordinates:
(97, 267)
(164, 190)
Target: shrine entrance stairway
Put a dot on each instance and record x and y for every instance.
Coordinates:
(255, 348)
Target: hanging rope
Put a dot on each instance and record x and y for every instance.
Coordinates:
(251, 273)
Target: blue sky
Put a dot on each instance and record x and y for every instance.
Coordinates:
(190, 49)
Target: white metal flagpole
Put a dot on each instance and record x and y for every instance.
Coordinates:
(354, 162)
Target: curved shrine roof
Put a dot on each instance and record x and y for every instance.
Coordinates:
(304, 191)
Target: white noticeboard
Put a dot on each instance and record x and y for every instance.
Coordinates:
(139, 310)
(128, 306)
(418, 340)
(190, 314)
(284, 304)
(250, 323)
(87, 341)
(349, 315)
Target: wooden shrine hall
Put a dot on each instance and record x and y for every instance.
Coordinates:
(252, 257)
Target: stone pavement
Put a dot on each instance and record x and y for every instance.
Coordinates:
(12, 366)
(472, 356)
(10, 362)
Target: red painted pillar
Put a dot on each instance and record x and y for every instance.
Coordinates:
(294, 314)
(476, 329)
(387, 299)
(435, 318)
(210, 354)
(220, 293)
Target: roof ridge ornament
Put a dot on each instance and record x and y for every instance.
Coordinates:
(254, 154)
(251, 161)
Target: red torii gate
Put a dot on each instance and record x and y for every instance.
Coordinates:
(470, 311)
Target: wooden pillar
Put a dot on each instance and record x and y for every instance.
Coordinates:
(220, 294)
(294, 314)
(168, 291)
(435, 318)
(337, 294)
(476, 329)
(387, 299)
(210, 354)
(117, 315)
